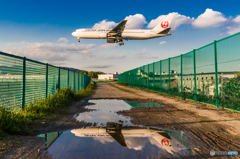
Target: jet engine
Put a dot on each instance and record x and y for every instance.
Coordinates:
(111, 41)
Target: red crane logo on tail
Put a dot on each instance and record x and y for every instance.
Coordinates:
(164, 24)
(165, 142)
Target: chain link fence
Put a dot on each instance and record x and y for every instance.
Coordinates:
(209, 74)
(23, 81)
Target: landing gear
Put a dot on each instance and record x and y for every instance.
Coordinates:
(121, 43)
(119, 40)
(79, 40)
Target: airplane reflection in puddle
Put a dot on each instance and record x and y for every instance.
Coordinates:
(125, 136)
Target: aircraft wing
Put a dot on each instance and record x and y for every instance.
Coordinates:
(118, 136)
(117, 31)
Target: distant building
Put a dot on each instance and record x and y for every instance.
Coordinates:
(107, 76)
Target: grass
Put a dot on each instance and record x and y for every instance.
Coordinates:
(16, 122)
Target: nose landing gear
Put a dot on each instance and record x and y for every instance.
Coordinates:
(79, 40)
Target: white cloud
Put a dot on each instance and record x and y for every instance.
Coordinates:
(144, 55)
(234, 30)
(143, 52)
(108, 46)
(135, 21)
(104, 25)
(237, 19)
(162, 42)
(50, 52)
(234, 26)
(135, 143)
(65, 40)
(209, 18)
(99, 66)
(118, 56)
(178, 20)
(104, 139)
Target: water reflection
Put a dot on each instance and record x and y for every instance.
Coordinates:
(102, 111)
(118, 141)
(143, 104)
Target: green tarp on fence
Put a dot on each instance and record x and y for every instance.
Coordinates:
(23, 81)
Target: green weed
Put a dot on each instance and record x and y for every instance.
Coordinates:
(16, 122)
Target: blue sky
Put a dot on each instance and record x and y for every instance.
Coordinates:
(41, 30)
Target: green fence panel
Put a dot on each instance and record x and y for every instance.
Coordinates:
(175, 76)
(82, 81)
(35, 89)
(71, 79)
(228, 57)
(52, 80)
(63, 78)
(165, 78)
(145, 77)
(76, 82)
(157, 76)
(138, 77)
(188, 75)
(150, 76)
(209, 74)
(11, 81)
(88, 80)
(205, 74)
(142, 76)
(24, 81)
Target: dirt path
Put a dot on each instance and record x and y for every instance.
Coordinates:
(210, 129)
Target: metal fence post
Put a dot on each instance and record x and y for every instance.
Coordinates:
(153, 77)
(47, 80)
(216, 73)
(74, 82)
(68, 78)
(169, 78)
(181, 76)
(84, 81)
(195, 79)
(148, 77)
(161, 76)
(59, 79)
(24, 82)
(78, 82)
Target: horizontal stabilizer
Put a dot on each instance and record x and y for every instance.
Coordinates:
(165, 31)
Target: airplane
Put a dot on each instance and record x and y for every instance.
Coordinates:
(119, 33)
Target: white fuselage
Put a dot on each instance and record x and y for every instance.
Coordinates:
(128, 34)
(126, 132)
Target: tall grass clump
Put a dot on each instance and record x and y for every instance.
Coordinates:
(16, 122)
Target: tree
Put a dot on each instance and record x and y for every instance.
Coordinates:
(231, 88)
(83, 72)
(93, 74)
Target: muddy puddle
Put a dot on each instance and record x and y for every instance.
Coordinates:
(110, 135)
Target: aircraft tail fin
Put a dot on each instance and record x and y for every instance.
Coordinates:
(164, 25)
